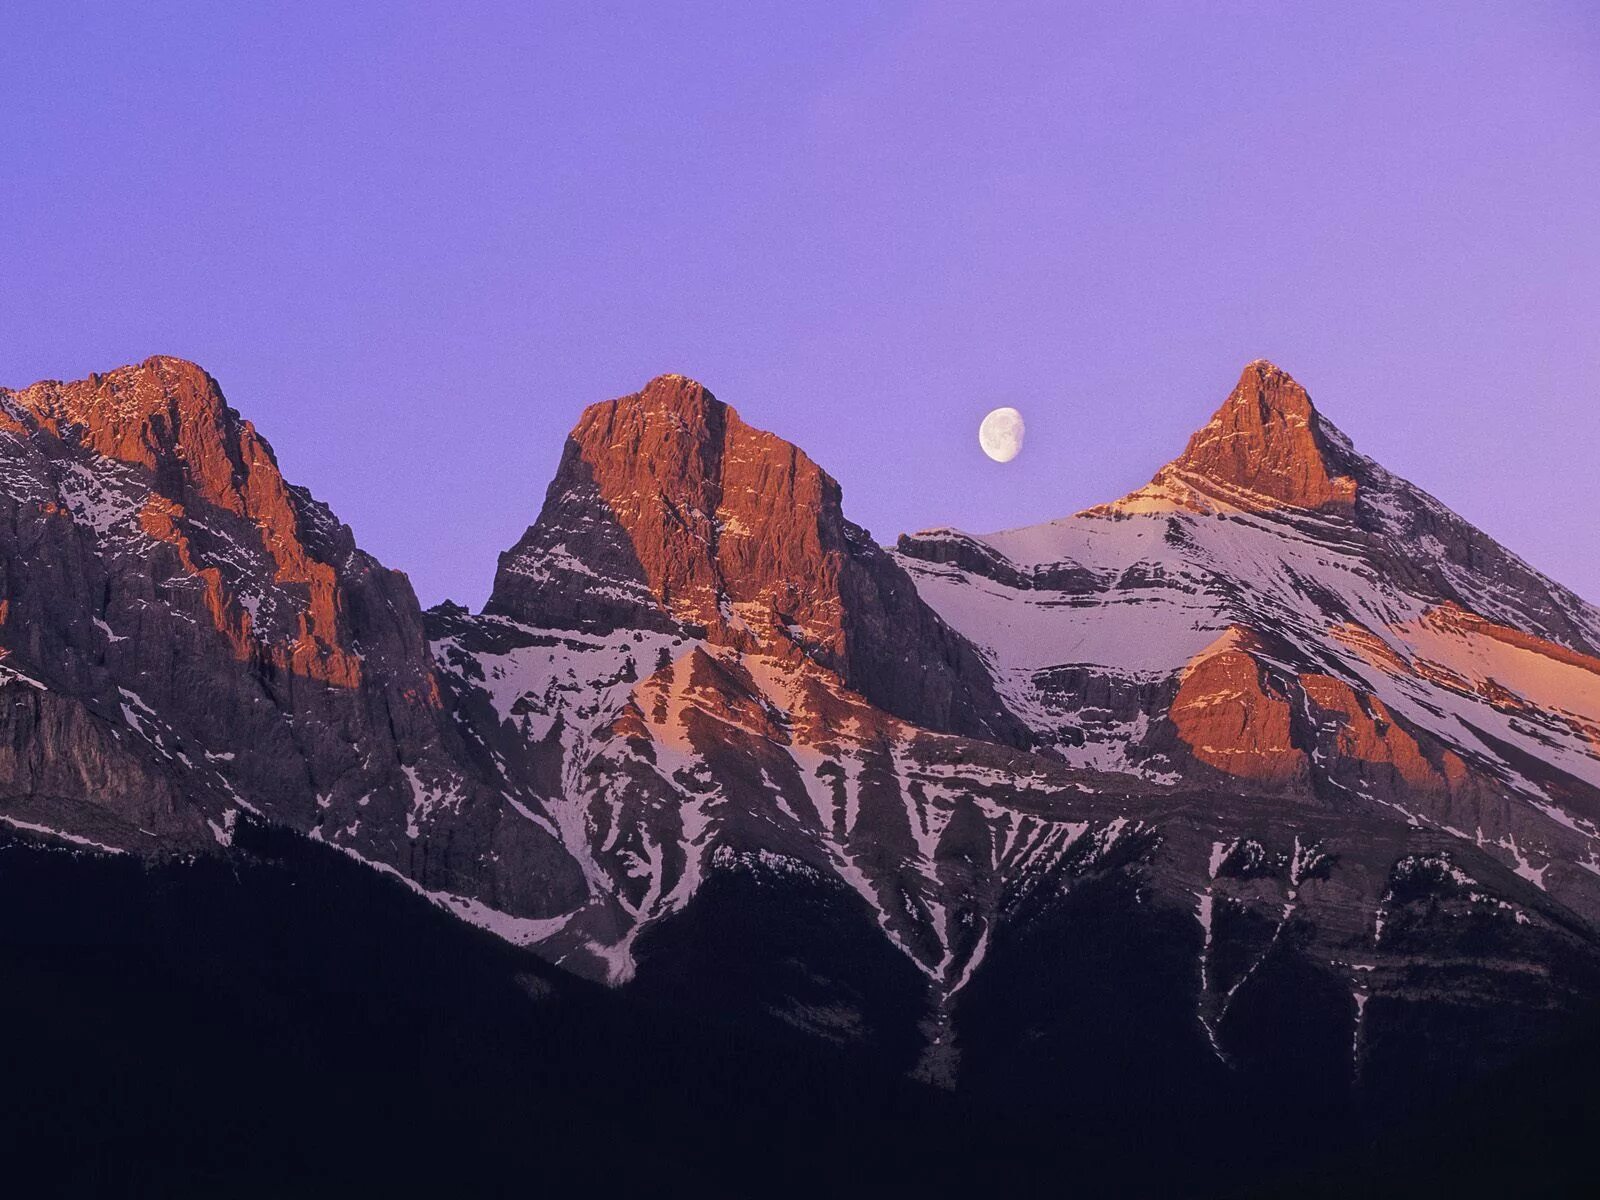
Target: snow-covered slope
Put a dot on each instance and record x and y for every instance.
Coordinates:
(1369, 596)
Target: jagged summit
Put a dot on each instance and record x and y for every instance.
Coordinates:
(170, 364)
(669, 392)
(1266, 448)
(169, 416)
(1267, 371)
(661, 493)
(203, 488)
(669, 512)
(140, 413)
(669, 382)
(1267, 439)
(1272, 392)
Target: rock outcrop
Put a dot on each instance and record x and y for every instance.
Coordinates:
(668, 512)
(158, 573)
(1232, 716)
(1266, 448)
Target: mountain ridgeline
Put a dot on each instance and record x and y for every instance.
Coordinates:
(1272, 784)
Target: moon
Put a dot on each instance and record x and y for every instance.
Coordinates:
(1000, 435)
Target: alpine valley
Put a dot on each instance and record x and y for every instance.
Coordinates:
(1238, 836)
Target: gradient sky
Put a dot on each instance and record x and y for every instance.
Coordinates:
(412, 241)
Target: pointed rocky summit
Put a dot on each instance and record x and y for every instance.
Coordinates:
(1266, 448)
(669, 512)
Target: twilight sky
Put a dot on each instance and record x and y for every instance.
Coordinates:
(412, 244)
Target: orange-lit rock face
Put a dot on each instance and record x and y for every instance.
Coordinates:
(1231, 718)
(723, 518)
(168, 417)
(1264, 449)
(1236, 718)
(1367, 731)
(1370, 647)
(159, 518)
(670, 513)
(667, 705)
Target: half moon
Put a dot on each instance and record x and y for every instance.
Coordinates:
(1000, 435)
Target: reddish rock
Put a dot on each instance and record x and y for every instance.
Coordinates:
(1460, 620)
(1368, 732)
(1233, 718)
(211, 637)
(668, 511)
(1264, 449)
(169, 417)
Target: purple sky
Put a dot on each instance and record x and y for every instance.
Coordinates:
(412, 245)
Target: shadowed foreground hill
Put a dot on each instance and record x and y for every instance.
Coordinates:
(265, 1028)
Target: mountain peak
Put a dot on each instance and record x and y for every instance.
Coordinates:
(207, 468)
(1272, 392)
(689, 404)
(676, 392)
(132, 412)
(166, 415)
(678, 504)
(673, 381)
(1266, 448)
(674, 420)
(669, 512)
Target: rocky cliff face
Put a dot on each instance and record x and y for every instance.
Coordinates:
(1265, 449)
(196, 638)
(168, 420)
(668, 512)
(1275, 734)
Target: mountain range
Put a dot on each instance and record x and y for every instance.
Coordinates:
(1265, 797)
